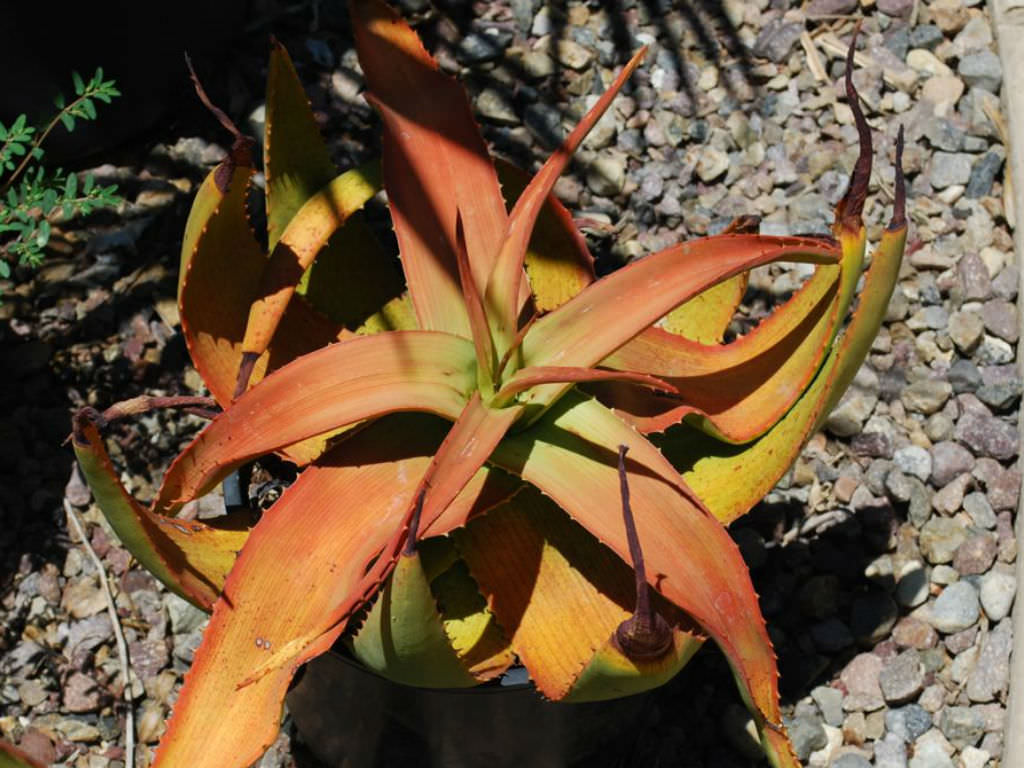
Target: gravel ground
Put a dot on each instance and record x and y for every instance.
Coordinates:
(883, 559)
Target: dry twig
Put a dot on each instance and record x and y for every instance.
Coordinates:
(122, 646)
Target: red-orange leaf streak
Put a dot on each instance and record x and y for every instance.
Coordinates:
(359, 378)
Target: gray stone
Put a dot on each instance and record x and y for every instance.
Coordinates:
(926, 396)
(997, 592)
(949, 168)
(991, 674)
(1005, 283)
(984, 174)
(994, 351)
(184, 616)
(932, 317)
(908, 723)
(830, 703)
(962, 726)
(902, 677)
(981, 69)
(913, 460)
(890, 752)
(807, 735)
(848, 417)
(851, 760)
(978, 507)
(712, 164)
(964, 376)
(926, 36)
(777, 39)
(947, 500)
(955, 609)
(930, 755)
(944, 134)
(860, 677)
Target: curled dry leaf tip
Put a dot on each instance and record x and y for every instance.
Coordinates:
(644, 636)
(851, 207)
(899, 208)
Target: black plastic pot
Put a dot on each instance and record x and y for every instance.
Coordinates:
(350, 717)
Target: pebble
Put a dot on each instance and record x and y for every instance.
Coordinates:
(939, 539)
(606, 175)
(830, 703)
(986, 435)
(860, 678)
(712, 164)
(911, 632)
(913, 460)
(926, 396)
(962, 726)
(872, 616)
(902, 677)
(949, 460)
(949, 168)
(982, 70)
(81, 693)
(1000, 318)
(976, 554)
(912, 587)
(777, 39)
(997, 592)
(955, 609)
(806, 735)
(966, 329)
(991, 674)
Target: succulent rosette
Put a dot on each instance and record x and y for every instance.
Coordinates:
(503, 458)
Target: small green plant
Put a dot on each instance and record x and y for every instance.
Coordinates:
(32, 197)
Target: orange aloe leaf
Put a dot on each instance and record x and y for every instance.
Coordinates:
(434, 163)
(191, 558)
(300, 575)
(503, 285)
(558, 263)
(690, 558)
(735, 391)
(432, 508)
(221, 268)
(525, 378)
(731, 479)
(616, 308)
(355, 379)
(12, 757)
(307, 232)
(558, 593)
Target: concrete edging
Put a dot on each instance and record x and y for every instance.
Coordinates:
(1008, 20)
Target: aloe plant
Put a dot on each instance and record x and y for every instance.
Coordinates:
(468, 424)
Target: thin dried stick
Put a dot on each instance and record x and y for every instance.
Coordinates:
(122, 646)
